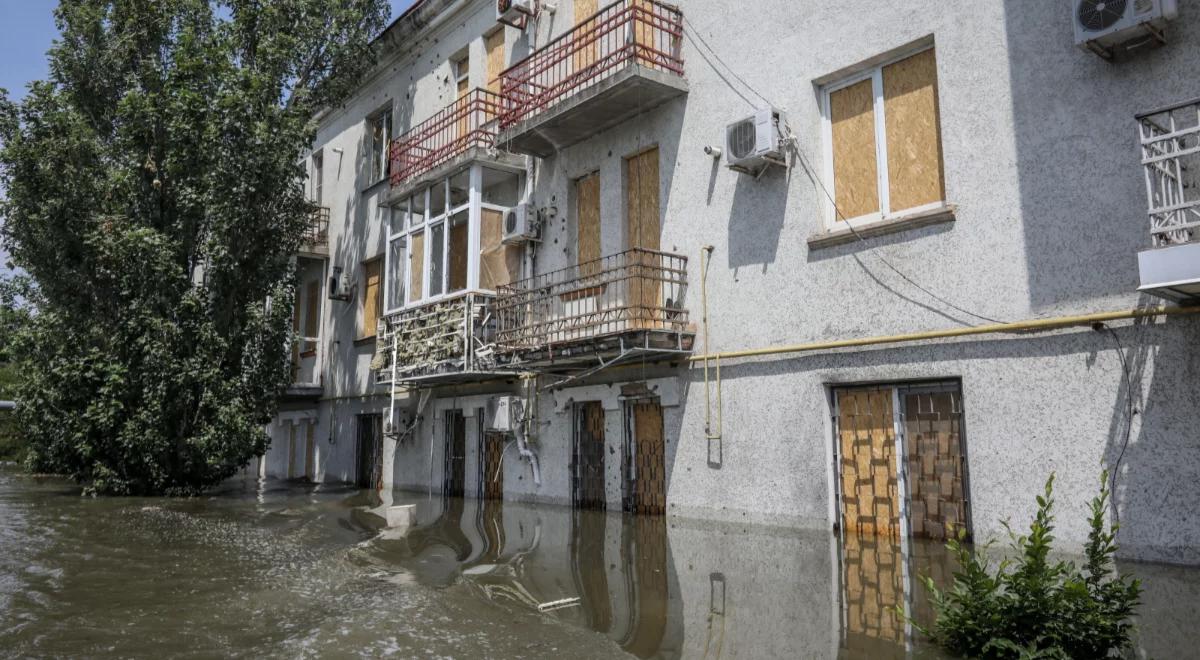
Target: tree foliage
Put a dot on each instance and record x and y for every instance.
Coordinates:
(154, 195)
(1032, 606)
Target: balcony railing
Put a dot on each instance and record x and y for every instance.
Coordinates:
(317, 232)
(468, 122)
(644, 32)
(445, 339)
(635, 290)
(1170, 140)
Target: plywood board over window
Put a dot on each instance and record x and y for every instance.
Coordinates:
(914, 143)
(499, 264)
(493, 45)
(417, 267)
(588, 50)
(855, 169)
(587, 215)
(459, 255)
(641, 193)
(372, 302)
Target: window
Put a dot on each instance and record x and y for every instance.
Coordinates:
(380, 129)
(460, 67)
(318, 177)
(372, 302)
(493, 46)
(883, 141)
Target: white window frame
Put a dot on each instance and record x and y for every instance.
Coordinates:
(318, 176)
(874, 73)
(382, 160)
(411, 226)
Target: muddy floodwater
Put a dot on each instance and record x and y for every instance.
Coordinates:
(272, 569)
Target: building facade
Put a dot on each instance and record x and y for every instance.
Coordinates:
(559, 257)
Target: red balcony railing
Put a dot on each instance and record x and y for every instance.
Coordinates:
(644, 32)
(468, 122)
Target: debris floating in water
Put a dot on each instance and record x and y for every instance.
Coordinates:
(557, 604)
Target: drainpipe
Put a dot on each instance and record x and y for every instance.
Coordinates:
(522, 433)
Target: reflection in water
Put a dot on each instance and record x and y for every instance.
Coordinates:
(270, 569)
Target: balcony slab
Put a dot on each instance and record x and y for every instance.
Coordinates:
(629, 91)
(489, 157)
(1171, 272)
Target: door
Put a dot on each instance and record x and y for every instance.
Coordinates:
(935, 460)
(310, 450)
(642, 230)
(491, 451)
(645, 478)
(587, 465)
(456, 454)
(867, 443)
(588, 44)
(369, 451)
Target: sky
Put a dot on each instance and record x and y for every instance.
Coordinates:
(26, 31)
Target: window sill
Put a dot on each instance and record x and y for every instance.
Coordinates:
(371, 187)
(842, 235)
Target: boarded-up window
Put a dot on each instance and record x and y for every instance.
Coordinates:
(641, 195)
(499, 264)
(416, 270)
(587, 207)
(493, 44)
(372, 302)
(899, 101)
(588, 45)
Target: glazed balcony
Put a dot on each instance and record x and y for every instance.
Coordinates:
(622, 61)
(1170, 141)
(624, 306)
(450, 340)
(462, 133)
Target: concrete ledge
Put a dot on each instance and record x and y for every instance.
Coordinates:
(882, 227)
(502, 160)
(630, 91)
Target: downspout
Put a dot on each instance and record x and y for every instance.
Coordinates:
(522, 433)
(705, 258)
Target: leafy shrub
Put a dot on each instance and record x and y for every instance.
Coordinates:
(1032, 607)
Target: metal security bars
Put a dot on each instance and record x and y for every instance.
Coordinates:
(468, 122)
(643, 32)
(442, 340)
(317, 231)
(1170, 141)
(635, 290)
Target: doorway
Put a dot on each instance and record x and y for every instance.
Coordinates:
(880, 428)
(645, 477)
(455, 480)
(369, 451)
(587, 461)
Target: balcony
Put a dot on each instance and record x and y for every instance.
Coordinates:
(463, 132)
(622, 61)
(316, 234)
(1170, 141)
(620, 307)
(444, 342)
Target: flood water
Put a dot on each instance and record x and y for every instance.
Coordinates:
(288, 570)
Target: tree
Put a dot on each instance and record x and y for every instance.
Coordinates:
(155, 197)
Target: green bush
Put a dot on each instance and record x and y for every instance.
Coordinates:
(12, 448)
(1032, 607)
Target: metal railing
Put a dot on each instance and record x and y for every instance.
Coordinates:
(631, 291)
(1170, 142)
(644, 32)
(468, 122)
(450, 336)
(317, 232)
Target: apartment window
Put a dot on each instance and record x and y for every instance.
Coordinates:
(461, 68)
(372, 297)
(493, 47)
(380, 128)
(318, 178)
(434, 248)
(883, 140)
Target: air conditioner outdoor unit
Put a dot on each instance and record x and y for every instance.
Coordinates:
(1103, 25)
(755, 142)
(515, 12)
(339, 285)
(519, 225)
(505, 413)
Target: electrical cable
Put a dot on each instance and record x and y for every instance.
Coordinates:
(1130, 412)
